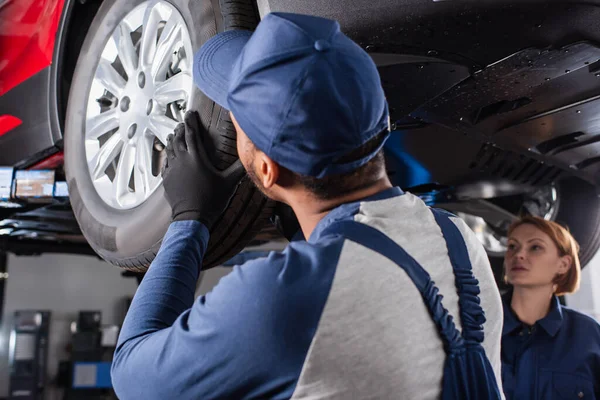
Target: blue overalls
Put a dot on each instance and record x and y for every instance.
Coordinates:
(468, 374)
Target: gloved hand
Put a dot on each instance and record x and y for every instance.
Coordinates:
(194, 188)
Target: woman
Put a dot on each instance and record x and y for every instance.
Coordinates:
(548, 351)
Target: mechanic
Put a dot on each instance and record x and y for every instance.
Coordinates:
(350, 308)
(548, 351)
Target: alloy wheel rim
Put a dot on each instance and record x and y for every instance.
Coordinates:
(138, 95)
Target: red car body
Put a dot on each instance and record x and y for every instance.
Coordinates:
(29, 33)
(27, 39)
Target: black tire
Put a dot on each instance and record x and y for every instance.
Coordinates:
(131, 238)
(579, 211)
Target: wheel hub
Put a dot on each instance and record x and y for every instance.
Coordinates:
(136, 107)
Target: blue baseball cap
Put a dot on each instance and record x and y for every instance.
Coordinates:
(303, 92)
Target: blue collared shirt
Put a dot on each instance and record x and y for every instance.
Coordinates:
(557, 358)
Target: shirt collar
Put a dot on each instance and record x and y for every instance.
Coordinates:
(348, 210)
(551, 323)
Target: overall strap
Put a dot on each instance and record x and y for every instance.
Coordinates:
(377, 241)
(471, 314)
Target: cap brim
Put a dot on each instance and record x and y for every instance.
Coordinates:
(214, 62)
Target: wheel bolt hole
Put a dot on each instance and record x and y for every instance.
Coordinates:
(125, 104)
(131, 131)
(149, 107)
(142, 80)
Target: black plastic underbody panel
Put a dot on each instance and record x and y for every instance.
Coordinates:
(530, 102)
(487, 70)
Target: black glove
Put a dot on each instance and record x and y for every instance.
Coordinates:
(194, 188)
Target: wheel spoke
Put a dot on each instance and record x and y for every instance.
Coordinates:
(148, 42)
(143, 167)
(173, 89)
(105, 156)
(126, 49)
(123, 174)
(100, 124)
(162, 126)
(155, 181)
(165, 46)
(109, 78)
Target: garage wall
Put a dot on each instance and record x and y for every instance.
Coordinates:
(63, 284)
(587, 299)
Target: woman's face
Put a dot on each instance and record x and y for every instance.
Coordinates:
(532, 258)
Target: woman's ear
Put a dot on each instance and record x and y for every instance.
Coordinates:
(566, 262)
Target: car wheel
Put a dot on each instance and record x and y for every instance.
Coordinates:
(131, 86)
(571, 202)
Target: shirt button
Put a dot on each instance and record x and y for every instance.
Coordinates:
(322, 45)
(521, 333)
(580, 395)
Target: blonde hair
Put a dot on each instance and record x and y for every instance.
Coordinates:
(566, 245)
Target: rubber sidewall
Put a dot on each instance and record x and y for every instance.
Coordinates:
(124, 237)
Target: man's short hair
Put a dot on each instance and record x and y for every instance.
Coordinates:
(333, 186)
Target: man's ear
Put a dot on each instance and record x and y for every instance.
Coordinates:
(268, 169)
